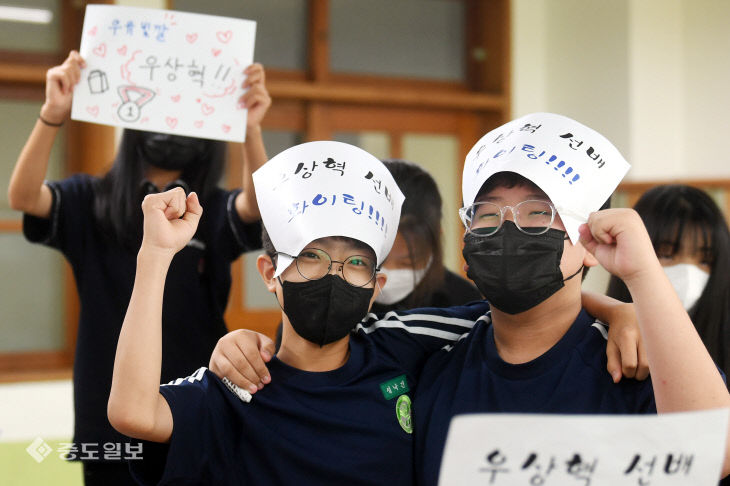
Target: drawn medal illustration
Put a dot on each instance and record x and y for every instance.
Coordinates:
(130, 109)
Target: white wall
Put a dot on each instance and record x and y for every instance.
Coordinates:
(570, 57)
(656, 90)
(651, 75)
(706, 76)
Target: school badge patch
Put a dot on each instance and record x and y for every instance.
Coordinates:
(403, 412)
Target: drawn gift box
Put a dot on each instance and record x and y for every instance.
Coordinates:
(98, 82)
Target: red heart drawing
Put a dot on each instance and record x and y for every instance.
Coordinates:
(122, 50)
(175, 98)
(100, 50)
(224, 36)
(145, 119)
(191, 38)
(171, 122)
(198, 124)
(207, 109)
(92, 31)
(93, 110)
(226, 128)
(215, 52)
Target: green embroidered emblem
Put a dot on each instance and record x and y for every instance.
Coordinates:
(403, 412)
(395, 387)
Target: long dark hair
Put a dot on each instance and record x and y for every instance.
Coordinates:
(119, 193)
(669, 212)
(420, 226)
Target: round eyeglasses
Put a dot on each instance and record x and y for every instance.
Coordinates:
(315, 263)
(533, 217)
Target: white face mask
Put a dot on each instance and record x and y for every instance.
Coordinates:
(688, 281)
(400, 283)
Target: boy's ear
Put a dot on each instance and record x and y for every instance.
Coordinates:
(380, 279)
(266, 269)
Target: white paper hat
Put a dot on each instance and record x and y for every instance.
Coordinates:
(321, 189)
(577, 167)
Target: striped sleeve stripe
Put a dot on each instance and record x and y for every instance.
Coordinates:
(197, 376)
(426, 331)
(454, 321)
(449, 347)
(602, 329)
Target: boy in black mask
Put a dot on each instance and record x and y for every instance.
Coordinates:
(340, 413)
(538, 350)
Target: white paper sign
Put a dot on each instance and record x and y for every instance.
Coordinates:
(164, 71)
(587, 450)
(577, 167)
(321, 189)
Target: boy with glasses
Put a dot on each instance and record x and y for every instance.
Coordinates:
(539, 351)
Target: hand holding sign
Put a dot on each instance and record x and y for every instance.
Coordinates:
(256, 99)
(60, 82)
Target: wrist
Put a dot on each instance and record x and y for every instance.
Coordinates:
(253, 130)
(50, 118)
(154, 257)
(620, 312)
(646, 277)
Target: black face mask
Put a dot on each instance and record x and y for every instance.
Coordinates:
(171, 152)
(513, 270)
(325, 310)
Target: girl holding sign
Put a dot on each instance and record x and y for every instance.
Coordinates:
(97, 224)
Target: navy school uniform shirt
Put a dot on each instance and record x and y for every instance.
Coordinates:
(196, 293)
(352, 425)
(470, 377)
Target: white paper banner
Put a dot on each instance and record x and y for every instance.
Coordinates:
(164, 71)
(321, 189)
(577, 167)
(597, 450)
